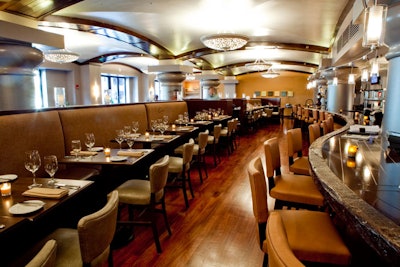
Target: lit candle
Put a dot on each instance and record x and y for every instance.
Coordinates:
(107, 151)
(352, 150)
(147, 135)
(173, 126)
(191, 120)
(5, 189)
(351, 163)
(209, 117)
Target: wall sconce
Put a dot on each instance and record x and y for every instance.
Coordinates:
(374, 25)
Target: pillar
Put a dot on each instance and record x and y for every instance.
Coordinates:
(170, 85)
(392, 39)
(17, 87)
(209, 88)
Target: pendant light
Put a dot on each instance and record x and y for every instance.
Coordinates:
(374, 25)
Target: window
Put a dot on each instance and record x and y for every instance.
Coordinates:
(114, 88)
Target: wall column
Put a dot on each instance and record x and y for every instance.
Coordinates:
(170, 85)
(17, 63)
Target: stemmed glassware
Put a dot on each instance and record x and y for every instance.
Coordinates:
(130, 141)
(186, 118)
(89, 141)
(32, 164)
(127, 131)
(76, 148)
(119, 137)
(135, 126)
(51, 167)
(153, 125)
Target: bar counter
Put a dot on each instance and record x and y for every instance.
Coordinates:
(363, 193)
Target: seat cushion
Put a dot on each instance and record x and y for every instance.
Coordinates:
(175, 165)
(210, 139)
(68, 250)
(134, 192)
(313, 237)
(179, 150)
(300, 166)
(297, 189)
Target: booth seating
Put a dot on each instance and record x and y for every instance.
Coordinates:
(51, 132)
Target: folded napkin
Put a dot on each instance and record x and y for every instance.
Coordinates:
(130, 153)
(85, 153)
(166, 136)
(45, 192)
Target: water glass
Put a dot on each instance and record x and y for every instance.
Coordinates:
(76, 148)
(32, 164)
(51, 167)
(89, 140)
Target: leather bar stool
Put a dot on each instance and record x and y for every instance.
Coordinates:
(314, 132)
(298, 164)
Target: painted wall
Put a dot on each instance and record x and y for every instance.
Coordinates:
(251, 84)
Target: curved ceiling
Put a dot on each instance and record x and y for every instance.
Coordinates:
(296, 34)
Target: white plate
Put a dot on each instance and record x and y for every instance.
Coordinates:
(118, 158)
(26, 207)
(8, 177)
(97, 149)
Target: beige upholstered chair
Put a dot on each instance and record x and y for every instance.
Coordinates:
(46, 257)
(89, 245)
(289, 189)
(298, 164)
(227, 137)
(314, 132)
(311, 235)
(279, 252)
(199, 154)
(179, 167)
(213, 142)
(147, 194)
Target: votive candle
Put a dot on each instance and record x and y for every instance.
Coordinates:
(107, 152)
(5, 189)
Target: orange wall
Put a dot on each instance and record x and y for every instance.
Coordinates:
(287, 81)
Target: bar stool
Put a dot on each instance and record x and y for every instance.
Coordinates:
(314, 132)
(289, 189)
(298, 164)
(311, 235)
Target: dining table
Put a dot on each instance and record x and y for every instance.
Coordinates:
(26, 216)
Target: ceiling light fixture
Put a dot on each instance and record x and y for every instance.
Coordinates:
(258, 65)
(374, 25)
(335, 80)
(351, 79)
(270, 74)
(224, 41)
(60, 56)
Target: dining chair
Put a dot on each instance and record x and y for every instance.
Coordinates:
(289, 189)
(180, 168)
(314, 132)
(311, 235)
(213, 143)
(199, 154)
(298, 164)
(89, 244)
(46, 257)
(146, 195)
(227, 137)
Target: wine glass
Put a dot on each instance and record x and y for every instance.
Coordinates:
(135, 126)
(89, 141)
(76, 148)
(127, 131)
(186, 118)
(51, 167)
(32, 164)
(130, 141)
(119, 137)
(154, 126)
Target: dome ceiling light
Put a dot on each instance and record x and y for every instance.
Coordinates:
(60, 56)
(224, 41)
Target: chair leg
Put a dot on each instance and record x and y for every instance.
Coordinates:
(184, 190)
(190, 183)
(204, 164)
(155, 235)
(164, 211)
(110, 259)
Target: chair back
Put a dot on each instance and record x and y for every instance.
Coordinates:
(314, 132)
(203, 138)
(329, 123)
(230, 125)
(295, 142)
(96, 231)
(321, 115)
(187, 154)
(158, 174)
(258, 187)
(46, 257)
(279, 252)
(217, 132)
(272, 157)
(324, 127)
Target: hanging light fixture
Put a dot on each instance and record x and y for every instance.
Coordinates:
(270, 73)
(224, 41)
(374, 25)
(375, 67)
(258, 65)
(60, 56)
(335, 79)
(364, 75)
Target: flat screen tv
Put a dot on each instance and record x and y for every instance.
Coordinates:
(375, 79)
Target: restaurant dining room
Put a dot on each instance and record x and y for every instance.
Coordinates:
(199, 133)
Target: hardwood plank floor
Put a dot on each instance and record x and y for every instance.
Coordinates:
(218, 229)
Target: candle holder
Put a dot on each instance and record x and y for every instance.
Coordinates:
(147, 136)
(351, 151)
(107, 152)
(5, 189)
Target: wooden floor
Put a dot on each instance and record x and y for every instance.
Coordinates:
(219, 228)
